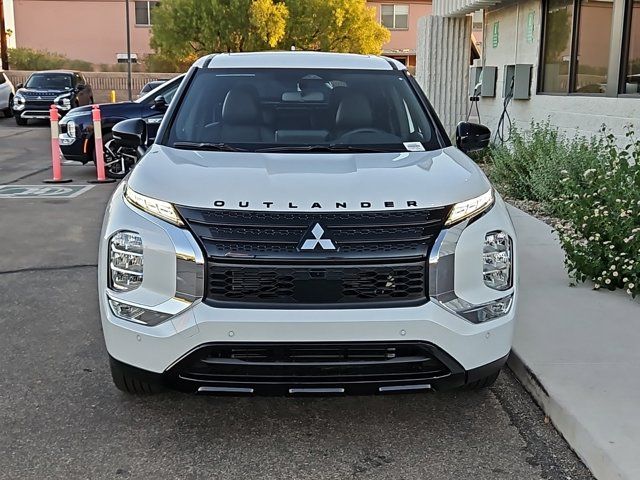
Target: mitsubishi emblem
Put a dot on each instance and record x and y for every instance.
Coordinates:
(313, 238)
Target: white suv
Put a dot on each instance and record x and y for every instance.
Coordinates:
(6, 95)
(303, 224)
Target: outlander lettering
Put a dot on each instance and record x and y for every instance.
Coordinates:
(280, 236)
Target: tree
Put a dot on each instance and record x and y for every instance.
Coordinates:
(191, 28)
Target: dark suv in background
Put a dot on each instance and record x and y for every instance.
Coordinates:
(64, 88)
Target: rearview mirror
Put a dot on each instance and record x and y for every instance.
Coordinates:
(130, 133)
(471, 137)
(160, 104)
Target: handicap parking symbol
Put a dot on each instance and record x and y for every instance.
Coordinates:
(43, 191)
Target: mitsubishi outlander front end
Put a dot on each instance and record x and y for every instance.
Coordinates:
(303, 225)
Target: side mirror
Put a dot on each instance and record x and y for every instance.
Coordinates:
(130, 133)
(160, 104)
(19, 86)
(81, 87)
(471, 137)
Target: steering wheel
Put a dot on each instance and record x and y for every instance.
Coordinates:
(358, 131)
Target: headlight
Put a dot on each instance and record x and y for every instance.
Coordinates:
(63, 101)
(497, 261)
(158, 208)
(71, 129)
(469, 208)
(19, 102)
(125, 261)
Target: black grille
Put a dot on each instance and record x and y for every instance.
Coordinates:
(309, 285)
(259, 365)
(254, 258)
(276, 235)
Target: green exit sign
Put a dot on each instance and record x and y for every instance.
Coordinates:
(495, 40)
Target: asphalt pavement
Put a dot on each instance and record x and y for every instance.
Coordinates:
(61, 417)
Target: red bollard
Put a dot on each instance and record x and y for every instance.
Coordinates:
(55, 149)
(99, 148)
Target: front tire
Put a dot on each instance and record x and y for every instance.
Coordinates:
(128, 381)
(8, 112)
(21, 122)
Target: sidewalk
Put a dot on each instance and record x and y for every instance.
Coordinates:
(578, 352)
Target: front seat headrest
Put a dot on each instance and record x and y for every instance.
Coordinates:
(354, 111)
(241, 107)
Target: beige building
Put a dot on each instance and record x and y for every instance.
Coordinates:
(579, 62)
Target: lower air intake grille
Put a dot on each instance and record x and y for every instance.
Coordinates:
(307, 286)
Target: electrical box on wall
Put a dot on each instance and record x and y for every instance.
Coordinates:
(489, 75)
(517, 81)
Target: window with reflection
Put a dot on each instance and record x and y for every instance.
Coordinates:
(577, 43)
(557, 46)
(631, 78)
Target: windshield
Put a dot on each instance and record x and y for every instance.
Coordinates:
(53, 81)
(301, 109)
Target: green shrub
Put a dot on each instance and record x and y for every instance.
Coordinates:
(591, 186)
(29, 59)
(529, 166)
(600, 218)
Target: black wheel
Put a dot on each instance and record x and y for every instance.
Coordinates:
(21, 121)
(482, 383)
(129, 381)
(117, 160)
(7, 111)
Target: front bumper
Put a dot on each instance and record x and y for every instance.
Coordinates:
(164, 351)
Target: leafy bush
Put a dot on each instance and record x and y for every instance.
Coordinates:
(29, 59)
(592, 187)
(529, 166)
(600, 218)
(157, 62)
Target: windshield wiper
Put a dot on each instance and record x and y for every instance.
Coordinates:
(325, 148)
(214, 147)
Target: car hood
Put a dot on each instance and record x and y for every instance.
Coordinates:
(43, 92)
(308, 182)
(106, 109)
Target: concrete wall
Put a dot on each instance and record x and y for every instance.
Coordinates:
(91, 30)
(573, 114)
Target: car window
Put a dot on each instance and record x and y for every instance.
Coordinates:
(166, 89)
(279, 108)
(3, 78)
(50, 80)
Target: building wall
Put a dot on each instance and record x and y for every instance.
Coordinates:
(573, 114)
(404, 41)
(91, 30)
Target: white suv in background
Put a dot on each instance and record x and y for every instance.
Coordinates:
(302, 224)
(6, 95)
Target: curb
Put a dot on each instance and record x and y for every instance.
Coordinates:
(590, 450)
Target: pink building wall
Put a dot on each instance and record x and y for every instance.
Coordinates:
(94, 30)
(91, 30)
(403, 42)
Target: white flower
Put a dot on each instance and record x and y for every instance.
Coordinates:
(615, 274)
(631, 285)
(607, 281)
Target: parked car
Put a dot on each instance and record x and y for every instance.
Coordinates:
(303, 225)
(76, 128)
(63, 88)
(150, 86)
(6, 95)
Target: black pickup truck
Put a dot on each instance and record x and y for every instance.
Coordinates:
(65, 89)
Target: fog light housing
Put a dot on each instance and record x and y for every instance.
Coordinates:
(136, 314)
(497, 261)
(19, 102)
(125, 261)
